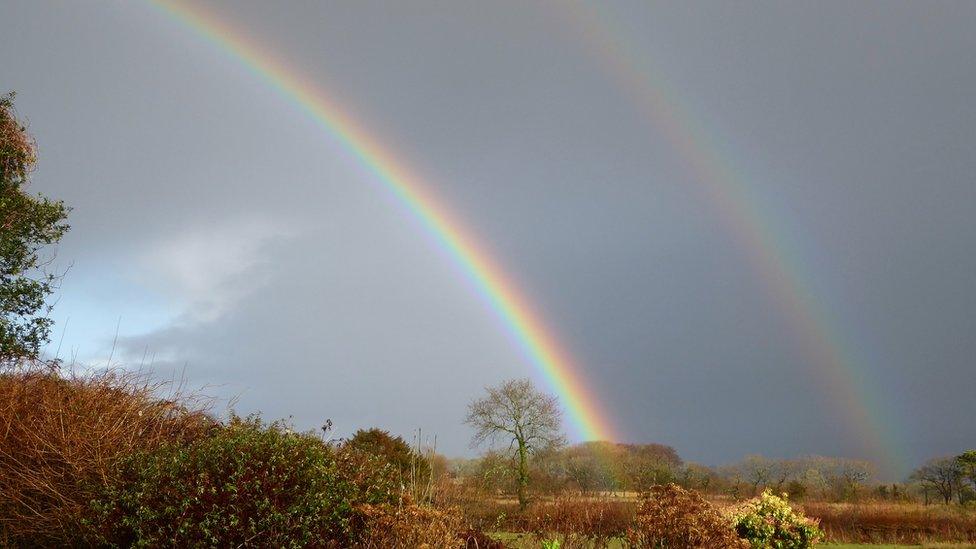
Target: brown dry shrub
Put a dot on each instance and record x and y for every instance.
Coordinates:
(670, 516)
(575, 521)
(894, 522)
(61, 436)
(409, 526)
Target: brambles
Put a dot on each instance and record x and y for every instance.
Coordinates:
(247, 484)
(61, 436)
(409, 526)
(769, 521)
(670, 516)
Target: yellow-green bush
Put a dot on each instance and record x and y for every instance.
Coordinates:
(769, 522)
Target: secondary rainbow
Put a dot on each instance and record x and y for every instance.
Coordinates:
(762, 234)
(524, 325)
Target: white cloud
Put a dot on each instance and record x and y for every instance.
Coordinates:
(211, 268)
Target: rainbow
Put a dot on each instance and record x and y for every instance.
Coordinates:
(524, 325)
(775, 257)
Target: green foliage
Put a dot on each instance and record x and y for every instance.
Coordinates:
(769, 522)
(967, 462)
(390, 449)
(27, 224)
(247, 484)
(796, 489)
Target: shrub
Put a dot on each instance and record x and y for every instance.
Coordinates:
(391, 449)
(768, 521)
(409, 526)
(61, 436)
(573, 522)
(670, 516)
(372, 478)
(248, 484)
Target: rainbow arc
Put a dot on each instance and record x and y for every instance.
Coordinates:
(515, 311)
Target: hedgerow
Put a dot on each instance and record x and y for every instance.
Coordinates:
(248, 484)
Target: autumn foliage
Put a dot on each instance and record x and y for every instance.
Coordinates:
(670, 516)
(61, 437)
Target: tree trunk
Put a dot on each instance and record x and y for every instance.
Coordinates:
(523, 475)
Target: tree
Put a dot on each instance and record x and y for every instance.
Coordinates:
(644, 465)
(391, 449)
(967, 463)
(942, 474)
(852, 473)
(757, 470)
(27, 224)
(528, 419)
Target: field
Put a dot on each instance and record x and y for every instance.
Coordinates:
(895, 523)
(865, 524)
(884, 546)
(517, 541)
(134, 466)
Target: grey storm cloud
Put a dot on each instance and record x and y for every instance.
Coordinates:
(243, 247)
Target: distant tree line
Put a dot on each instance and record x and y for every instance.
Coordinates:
(533, 458)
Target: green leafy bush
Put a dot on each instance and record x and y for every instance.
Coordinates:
(248, 484)
(769, 522)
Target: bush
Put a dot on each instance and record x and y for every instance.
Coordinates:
(391, 449)
(61, 436)
(248, 484)
(409, 526)
(670, 516)
(574, 522)
(372, 478)
(769, 522)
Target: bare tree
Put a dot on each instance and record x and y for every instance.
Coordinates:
(943, 475)
(784, 470)
(527, 419)
(757, 470)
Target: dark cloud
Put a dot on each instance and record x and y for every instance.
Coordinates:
(236, 238)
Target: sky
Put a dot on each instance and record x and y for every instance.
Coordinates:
(240, 248)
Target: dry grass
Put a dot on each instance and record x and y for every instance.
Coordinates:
(410, 526)
(578, 522)
(895, 522)
(576, 517)
(61, 434)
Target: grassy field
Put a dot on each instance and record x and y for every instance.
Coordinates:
(871, 546)
(522, 541)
